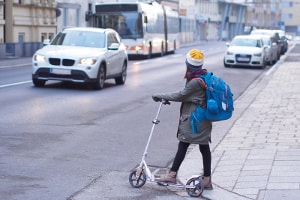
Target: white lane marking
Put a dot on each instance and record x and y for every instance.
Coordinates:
(3, 67)
(12, 84)
(159, 58)
(140, 62)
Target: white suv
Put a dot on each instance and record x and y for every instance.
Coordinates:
(84, 55)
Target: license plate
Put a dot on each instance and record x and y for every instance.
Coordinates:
(60, 71)
(242, 59)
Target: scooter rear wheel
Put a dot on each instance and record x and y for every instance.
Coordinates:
(137, 179)
(197, 187)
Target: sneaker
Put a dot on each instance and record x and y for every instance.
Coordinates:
(207, 182)
(170, 177)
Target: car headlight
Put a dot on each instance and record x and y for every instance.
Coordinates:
(229, 53)
(257, 54)
(39, 58)
(87, 61)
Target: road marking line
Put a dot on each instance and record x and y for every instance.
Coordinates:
(2, 67)
(12, 84)
(140, 62)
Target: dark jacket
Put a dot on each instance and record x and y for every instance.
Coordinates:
(192, 94)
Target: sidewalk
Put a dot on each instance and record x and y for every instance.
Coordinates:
(259, 157)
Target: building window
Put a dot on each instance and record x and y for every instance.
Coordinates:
(287, 4)
(286, 16)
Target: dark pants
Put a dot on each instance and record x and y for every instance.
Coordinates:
(181, 151)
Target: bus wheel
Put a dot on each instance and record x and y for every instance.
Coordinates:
(150, 51)
(162, 50)
(174, 47)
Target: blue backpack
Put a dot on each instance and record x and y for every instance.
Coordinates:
(219, 101)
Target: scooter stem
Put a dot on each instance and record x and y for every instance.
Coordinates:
(155, 121)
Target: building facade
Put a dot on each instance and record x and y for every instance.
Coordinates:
(263, 14)
(24, 24)
(290, 16)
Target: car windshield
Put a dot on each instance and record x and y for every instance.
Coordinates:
(266, 41)
(247, 42)
(80, 38)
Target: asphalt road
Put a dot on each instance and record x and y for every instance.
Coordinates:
(57, 142)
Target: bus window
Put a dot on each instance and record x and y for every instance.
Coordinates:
(145, 29)
(139, 26)
(122, 27)
(127, 24)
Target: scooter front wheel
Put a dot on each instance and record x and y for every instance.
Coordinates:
(195, 187)
(137, 178)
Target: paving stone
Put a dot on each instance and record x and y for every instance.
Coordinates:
(282, 186)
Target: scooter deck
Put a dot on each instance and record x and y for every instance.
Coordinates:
(178, 185)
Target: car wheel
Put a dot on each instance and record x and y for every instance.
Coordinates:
(271, 62)
(122, 78)
(38, 83)
(264, 64)
(225, 65)
(277, 58)
(99, 84)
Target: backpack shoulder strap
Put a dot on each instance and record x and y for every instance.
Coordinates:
(201, 79)
(207, 79)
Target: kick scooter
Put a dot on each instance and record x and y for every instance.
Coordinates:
(138, 177)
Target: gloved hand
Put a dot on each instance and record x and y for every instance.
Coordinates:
(155, 98)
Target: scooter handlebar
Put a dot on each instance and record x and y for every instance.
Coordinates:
(165, 102)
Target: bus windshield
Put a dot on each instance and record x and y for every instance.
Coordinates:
(127, 24)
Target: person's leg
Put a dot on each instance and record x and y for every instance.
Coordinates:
(181, 151)
(170, 177)
(206, 157)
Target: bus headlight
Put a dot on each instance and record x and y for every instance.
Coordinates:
(137, 48)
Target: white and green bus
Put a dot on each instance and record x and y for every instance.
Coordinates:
(145, 28)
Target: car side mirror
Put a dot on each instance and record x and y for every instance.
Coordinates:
(46, 42)
(227, 44)
(114, 46)
(145, 19)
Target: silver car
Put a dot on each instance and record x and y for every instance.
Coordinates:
(271, 50)
(83, 55)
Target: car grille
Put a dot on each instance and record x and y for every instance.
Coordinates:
(63, 62)
(54, 61)
(243, 58)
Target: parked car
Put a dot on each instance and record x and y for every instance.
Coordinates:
(245, 50)
(271, 49)
(83, 55)
(275, 38)
(283, 40)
